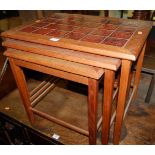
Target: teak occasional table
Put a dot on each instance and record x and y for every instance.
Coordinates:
(93, 46)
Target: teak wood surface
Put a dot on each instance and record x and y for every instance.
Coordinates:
(130, 51)
(91, 54)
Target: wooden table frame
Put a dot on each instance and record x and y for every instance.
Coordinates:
(131, 52)
(109, 75)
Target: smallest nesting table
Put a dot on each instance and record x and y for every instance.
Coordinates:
(72, 65)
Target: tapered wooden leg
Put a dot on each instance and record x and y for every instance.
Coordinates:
(150, 90)
(129, 83)
(22, 87)
(92, 109)
(123, 88)
(138, 70)
(108, 94)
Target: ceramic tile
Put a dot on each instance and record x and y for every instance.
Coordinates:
(109, 26)
(126, 29)
(122, 34)
(57, 33)
(50, 20)
(65, 27)
(42, 31)
(104, 21)
(58, 16)
(114, 22)
(91, 24)
(102, 32)
(83, 30)
(60, 21)
(52, 26)
(74, 35)
(29, 29)
(40, 24)
(73, 23)
(93, 38)
(114, 41)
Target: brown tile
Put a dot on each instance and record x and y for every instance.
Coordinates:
(52, 26)
(65, 27)
(61, 21)
(102, 32)
(93, 38)
(122, 34)
(73, 23)
(50, 20)
(57, 33)
(114, 22)
(91, 24)
(58, 16)
(103, 21)
(126, 29)
(74, 35)
(83, 30)
(115, 41)
(109, 26)
(43, 31)
(40, 24)
(29, 29)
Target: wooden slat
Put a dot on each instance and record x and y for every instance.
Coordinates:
(61, 122)
(42, 89)
(42, 94)
(67, 66)
(40, 86)
(75, 56)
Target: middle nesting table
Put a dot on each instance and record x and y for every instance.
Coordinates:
(72, 65)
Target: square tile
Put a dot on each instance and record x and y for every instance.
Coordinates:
(43, 31)
(74, 35)
(109, 26)
(91, 25)
(57, 33)
(130, 23)
(50, 20)
(52, 26)
(115, 41)
(29, 29)
(93, 38)
(58, 16)
(60, 21)
(102, 32)
(65, 27)
(114, 22)
(122, 34)
(126, 29)
(73, 23)
(103, 21)
(83, 30)
(40, 24)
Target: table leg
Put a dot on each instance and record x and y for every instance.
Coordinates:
(109, 77)
(138, 69)
(22, 87)
(123, 87)
(92, 109)
(150, 90)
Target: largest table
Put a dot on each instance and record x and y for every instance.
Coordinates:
(118, 38)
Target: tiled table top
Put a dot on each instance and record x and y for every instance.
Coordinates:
(82, 28)
(92, 34)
